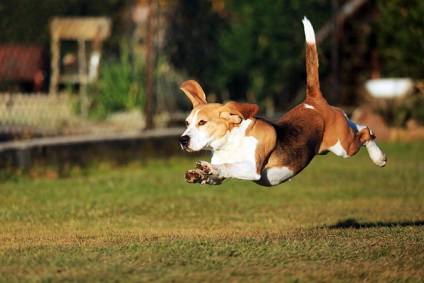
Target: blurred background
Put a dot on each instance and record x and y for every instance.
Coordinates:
(89, 67)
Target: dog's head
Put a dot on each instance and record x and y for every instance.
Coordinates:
(208, 123)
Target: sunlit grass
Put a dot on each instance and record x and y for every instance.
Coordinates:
(339, 220)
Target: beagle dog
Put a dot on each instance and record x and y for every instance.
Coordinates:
(249, 148)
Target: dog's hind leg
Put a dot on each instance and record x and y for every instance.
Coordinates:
(365, 137)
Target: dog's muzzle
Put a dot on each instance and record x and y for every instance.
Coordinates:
(184, 141)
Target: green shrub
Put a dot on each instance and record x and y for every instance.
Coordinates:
(120, 86)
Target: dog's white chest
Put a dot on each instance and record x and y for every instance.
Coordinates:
(235, 146)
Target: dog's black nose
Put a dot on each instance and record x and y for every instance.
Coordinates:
(184, 140)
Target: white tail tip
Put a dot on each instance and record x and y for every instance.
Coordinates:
(309, 31)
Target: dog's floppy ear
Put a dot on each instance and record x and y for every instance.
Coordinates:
(233, 118)
(239, 111)
(194, 92)
(246, 110)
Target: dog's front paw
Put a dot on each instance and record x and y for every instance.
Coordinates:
(194, 176)
(207, 168)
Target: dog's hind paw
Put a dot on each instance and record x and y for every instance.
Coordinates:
(380, 160)
(375, 153)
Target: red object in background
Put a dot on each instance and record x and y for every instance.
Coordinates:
(19, 63)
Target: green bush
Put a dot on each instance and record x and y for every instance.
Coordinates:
(120, 86)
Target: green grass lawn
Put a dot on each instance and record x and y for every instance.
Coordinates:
(341, 220)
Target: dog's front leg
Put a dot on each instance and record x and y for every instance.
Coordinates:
(239, 170)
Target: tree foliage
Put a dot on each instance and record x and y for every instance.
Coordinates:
(251, 47)
(263, 50)
(192, 39)
(255, 49)
(401, 37)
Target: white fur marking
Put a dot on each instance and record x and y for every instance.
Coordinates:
(338, 150)
(235, 146)
(309, 106)
(309, 31)
(198, 139)
(275, 175)
(375, 153)
(234, 154)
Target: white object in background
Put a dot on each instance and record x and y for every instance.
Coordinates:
(389, 88)
(94, 66)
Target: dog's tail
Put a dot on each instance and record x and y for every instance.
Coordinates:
(312, 77)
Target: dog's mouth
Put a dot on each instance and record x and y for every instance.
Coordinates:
(185, 148)
(185, 142)
(190, 144)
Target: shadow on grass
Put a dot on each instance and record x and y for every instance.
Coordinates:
(352, 223)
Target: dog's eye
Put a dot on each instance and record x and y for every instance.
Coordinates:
(202, 122)
(187, 123)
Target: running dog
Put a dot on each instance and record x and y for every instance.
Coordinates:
(249, 148)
